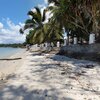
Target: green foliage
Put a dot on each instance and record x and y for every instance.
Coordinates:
(19, 45)
(40, 32)
(80, 16)
(75, 15)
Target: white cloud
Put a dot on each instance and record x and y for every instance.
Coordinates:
(1, 25)
(33, 10)
(48, 13)
(11, 34)
(41, 5)
(51, 5)
(48, 16)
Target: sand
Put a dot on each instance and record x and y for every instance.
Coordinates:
(8, 67)
(53, 77)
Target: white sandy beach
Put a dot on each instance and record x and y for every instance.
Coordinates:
(52, 77)
(10, 66)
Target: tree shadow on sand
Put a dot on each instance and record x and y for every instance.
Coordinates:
(22, 93)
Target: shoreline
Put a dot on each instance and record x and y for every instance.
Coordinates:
(10, 52)
(44, 76)
(8, 67)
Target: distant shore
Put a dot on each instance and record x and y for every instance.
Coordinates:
(15, 45)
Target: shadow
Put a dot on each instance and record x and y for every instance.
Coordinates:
(77, 64)
(68, 59)
(37, 84)
(92, 90)
(10, 76)
(36, 54)
(23, 93)
(77, 70)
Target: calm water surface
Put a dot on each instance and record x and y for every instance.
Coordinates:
(7, 51)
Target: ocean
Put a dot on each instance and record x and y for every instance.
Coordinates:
(8, 51)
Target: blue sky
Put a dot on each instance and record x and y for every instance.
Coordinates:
(13, 13)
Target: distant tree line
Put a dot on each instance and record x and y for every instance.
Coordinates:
(15, 45)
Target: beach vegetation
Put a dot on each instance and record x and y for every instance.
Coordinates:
(14, 45)
(81, 17)
(39, 31)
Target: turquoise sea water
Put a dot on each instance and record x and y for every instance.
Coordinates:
(7, 51)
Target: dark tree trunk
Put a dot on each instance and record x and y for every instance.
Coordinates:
(98, 38)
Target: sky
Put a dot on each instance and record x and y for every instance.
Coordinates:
(13, 14)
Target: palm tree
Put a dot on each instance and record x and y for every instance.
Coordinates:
(77, 15)
(80, 16)
(40, 32)
(35, 25)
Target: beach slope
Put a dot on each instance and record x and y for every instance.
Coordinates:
(53, 77)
